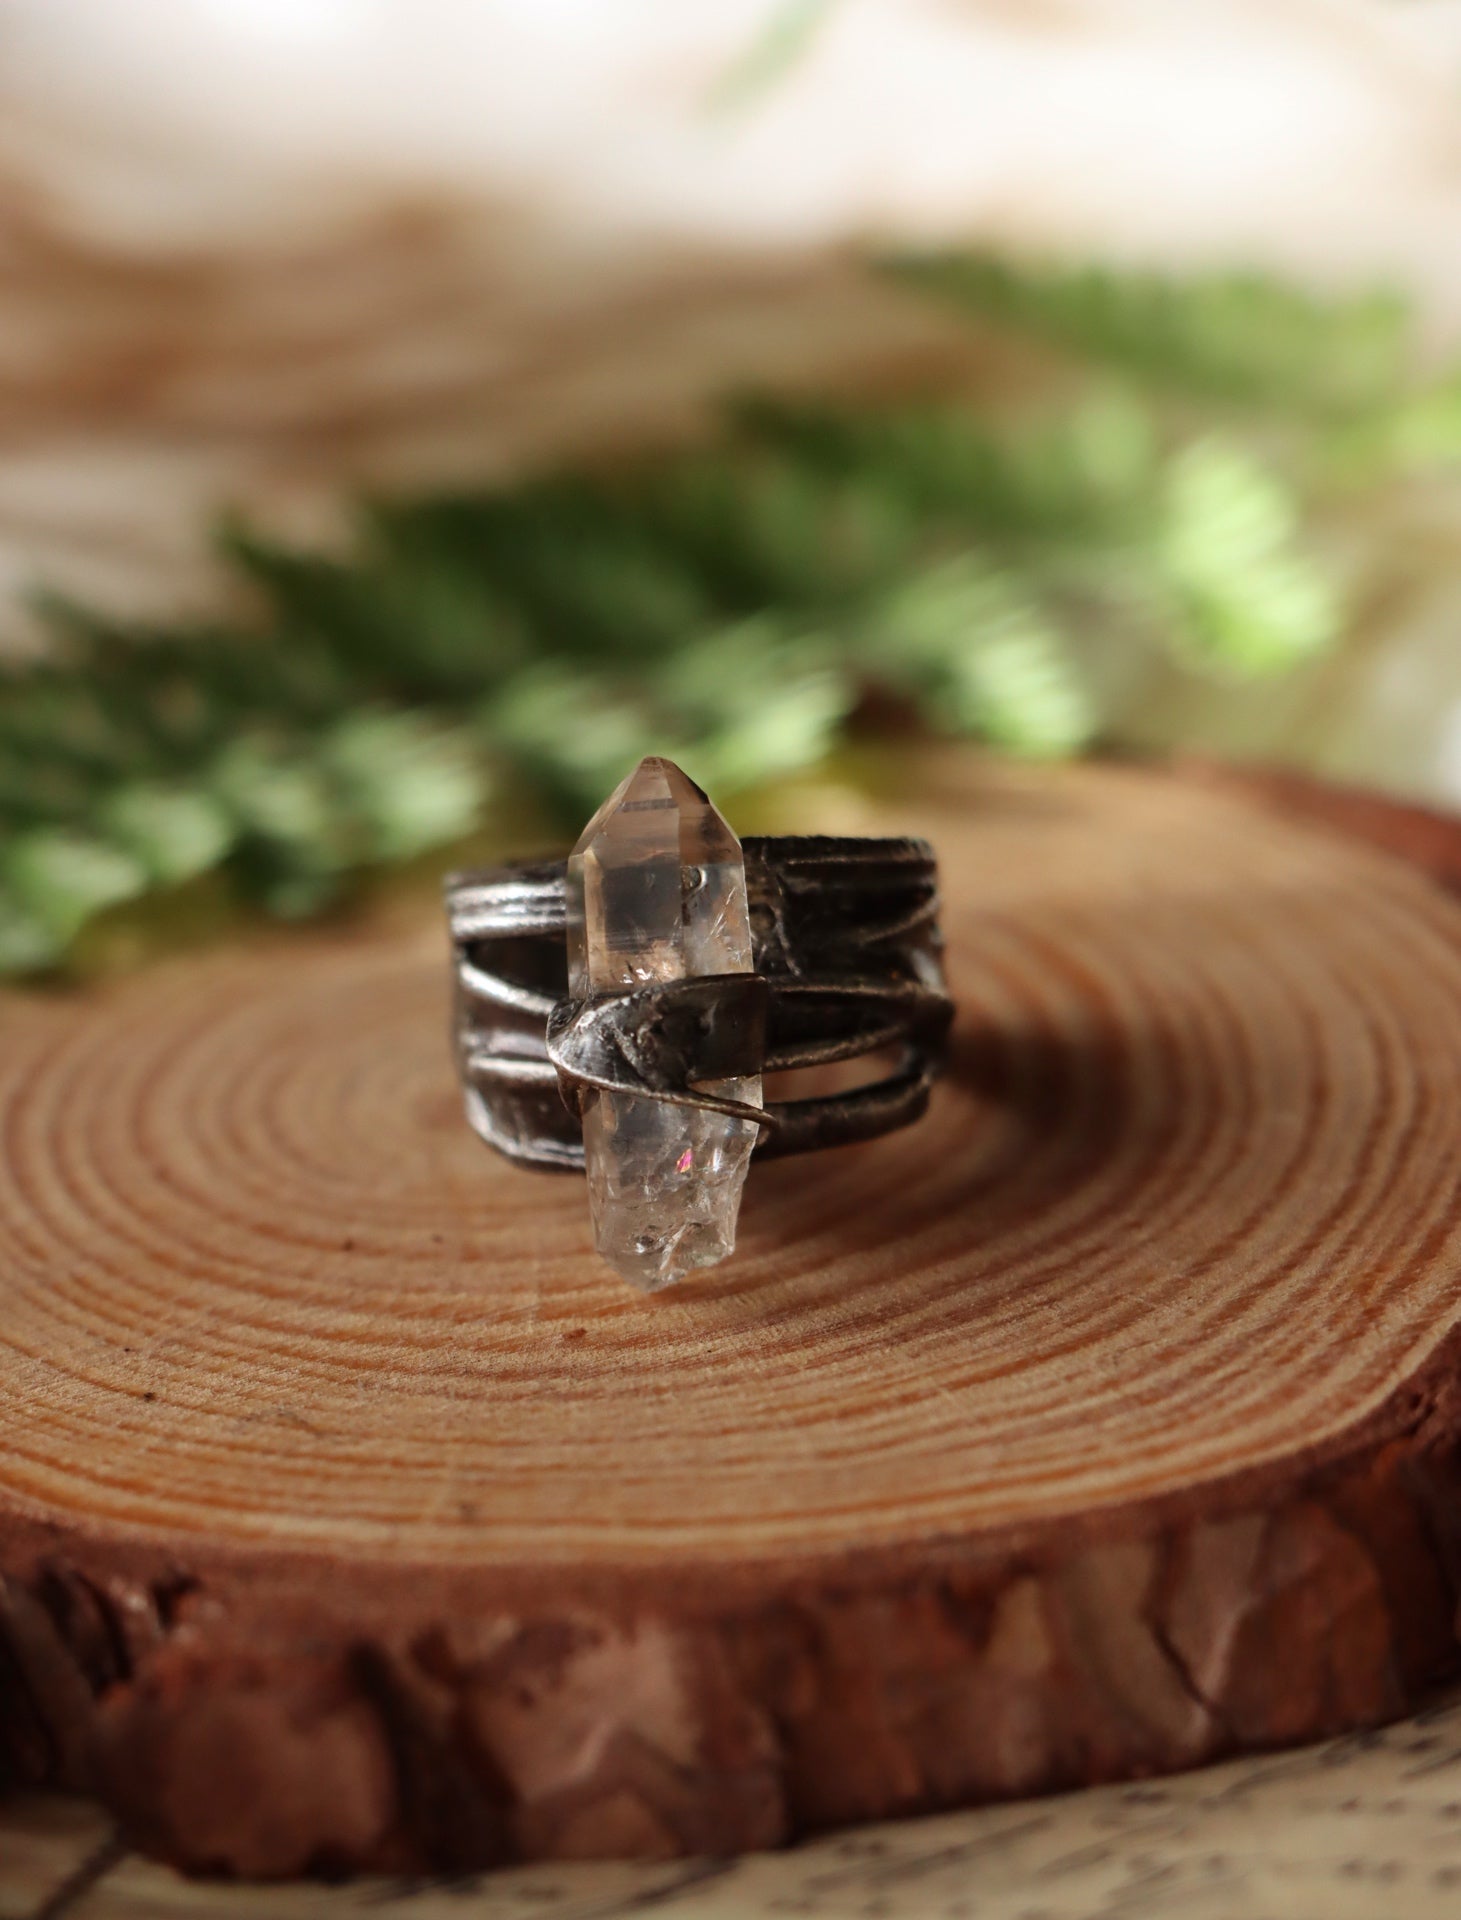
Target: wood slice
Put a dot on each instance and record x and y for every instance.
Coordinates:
(1105, 1422)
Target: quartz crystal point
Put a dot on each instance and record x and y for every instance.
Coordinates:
(657, 891)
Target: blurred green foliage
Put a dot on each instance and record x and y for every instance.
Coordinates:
(1234, 337)
(734, 606)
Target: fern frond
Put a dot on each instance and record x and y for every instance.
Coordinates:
(731, 605)
(1237, 337)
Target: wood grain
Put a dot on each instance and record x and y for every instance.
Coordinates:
(350, 1515)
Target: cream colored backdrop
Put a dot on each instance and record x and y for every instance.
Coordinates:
(258, 252)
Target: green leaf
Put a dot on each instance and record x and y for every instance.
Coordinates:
(60, 879)
(410, 783)
(573, 732)
(295, 841)
(1236, 337)
(174, 832)
(983, 656)
(26, 944)
(1248, 599)
(759, 702)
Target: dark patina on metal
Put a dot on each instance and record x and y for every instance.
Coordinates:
(848, 960)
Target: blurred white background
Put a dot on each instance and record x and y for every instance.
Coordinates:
(262, 252)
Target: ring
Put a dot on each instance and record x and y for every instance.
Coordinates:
(617, 1012)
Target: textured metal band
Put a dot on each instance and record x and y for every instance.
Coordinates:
(847, 951)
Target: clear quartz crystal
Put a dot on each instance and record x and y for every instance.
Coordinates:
(657, 891)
